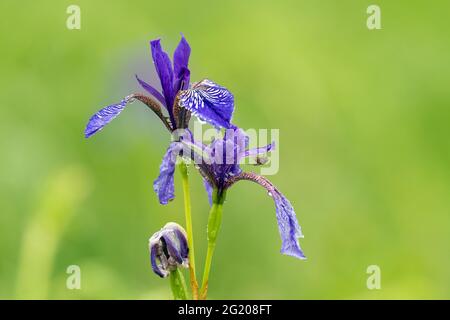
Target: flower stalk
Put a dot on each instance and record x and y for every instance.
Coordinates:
(178, 285)
(188, 217)
(214, 223)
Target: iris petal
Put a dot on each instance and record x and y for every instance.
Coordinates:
(172, 247)
(164, 184)
(154, 262)
(261, 150)
(184, 250)
(180, 64)
(103, 117)
(288, 226)
(209, 102)
(163, 67)
(180, 238)
(151, 90)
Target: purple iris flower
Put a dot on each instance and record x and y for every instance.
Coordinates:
(206, 100)
(219, 163)
(168, 249)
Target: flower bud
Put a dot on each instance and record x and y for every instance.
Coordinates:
(168, 249)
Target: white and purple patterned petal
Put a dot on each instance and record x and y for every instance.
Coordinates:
(164, 184)
(103, 117)
(209, 102)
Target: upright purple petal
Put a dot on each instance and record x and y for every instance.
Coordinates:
(163, 67)
(180, 65)
(209, 102)
(164, 184)
(103, 117)
(152, 91)
(182, 79)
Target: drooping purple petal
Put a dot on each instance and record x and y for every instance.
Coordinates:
(164, 69)
(288, 226)
(164, 184)
(103, 117)
(180, 65)
(209, 102)
(209, 190)
(152, 91)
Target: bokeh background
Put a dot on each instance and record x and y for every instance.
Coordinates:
(364, 147)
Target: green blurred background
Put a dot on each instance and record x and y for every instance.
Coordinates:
(364, 147)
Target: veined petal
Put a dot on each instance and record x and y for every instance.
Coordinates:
(152, 91)
(164, 184)
(180, 65)
(103, 117)
(209, 102)
(163, 67)
(288, 226)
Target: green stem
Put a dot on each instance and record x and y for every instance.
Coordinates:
(188, 216)
(178, 285)
(214, 223)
